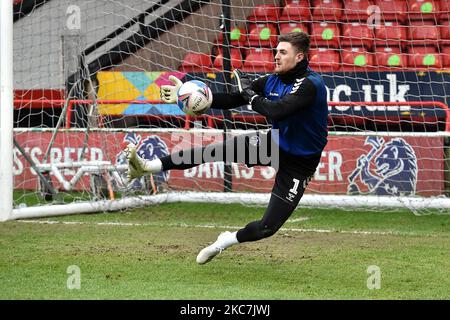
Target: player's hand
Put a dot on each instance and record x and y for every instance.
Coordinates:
(245, 85)
(168, 92)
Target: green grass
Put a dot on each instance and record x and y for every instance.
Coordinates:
(152, 256)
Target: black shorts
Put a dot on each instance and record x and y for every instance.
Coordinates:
(293, 172)
(293, 176)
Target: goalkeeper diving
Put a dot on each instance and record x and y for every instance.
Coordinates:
(294, 101)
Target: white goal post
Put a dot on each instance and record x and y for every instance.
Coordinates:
(6, 114)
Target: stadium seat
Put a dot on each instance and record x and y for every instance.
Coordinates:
(423, 10)
(262, 35)
(355, 10)
(392, 10)
(391, 34)
(444, 30)
(387, 57)
(236, 59)
(196, 62)
(445, 10)
(325, 34)
(296, 10)
(357, 59)
(446, 56)
(237, 36)
(356, 34)
(293, 27)
(330, 10)
(265, 13)
(420, 57)
(423, 33)
(324, 59)
(259, 60)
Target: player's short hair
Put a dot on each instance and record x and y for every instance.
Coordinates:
(299, 40)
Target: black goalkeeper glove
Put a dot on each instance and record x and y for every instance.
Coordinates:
(245, 85)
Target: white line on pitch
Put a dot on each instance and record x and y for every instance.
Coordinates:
(185, 225)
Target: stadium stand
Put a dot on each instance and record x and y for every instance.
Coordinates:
(342, 25)
(196, 62)
(238, 36)
(324, 59)
(262, 35)
(355, 10)
(265, 13)
(446, 56)
(293, 27)
(325, 34)
(259, 60)
(390, 57)
(423, 33)
(357, 59)
(296, 10)
(235, 56)
(423, 10)
(357, 34)
(391, 34)
(421, 57)
(392, 10)
(327, 10)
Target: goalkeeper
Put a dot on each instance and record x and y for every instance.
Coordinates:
(294, 100)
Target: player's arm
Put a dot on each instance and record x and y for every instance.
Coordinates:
(225, 101)
(301, 96)
(291, 103)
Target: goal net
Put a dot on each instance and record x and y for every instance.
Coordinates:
(86, 83)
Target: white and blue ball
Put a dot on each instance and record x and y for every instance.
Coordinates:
(194, 97)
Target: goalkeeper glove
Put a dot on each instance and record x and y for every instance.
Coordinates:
(245, 85)
(168, 92)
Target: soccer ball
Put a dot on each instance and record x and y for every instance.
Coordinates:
(194, 97)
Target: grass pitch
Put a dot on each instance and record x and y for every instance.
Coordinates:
(150, 254)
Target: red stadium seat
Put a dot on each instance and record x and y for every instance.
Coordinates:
(262, 35)
(330, 10)
(445, 33)
(423, 32)
(392, 10)
(357, 59)
(446, 56)
(265, 13)
(196, 62)
(356, 10)
(259, 60)
(356, 34)
(390, 58)
(445, 10)
(324, 59)
(325, 34)
(296, 10)
(424, 58)
(293, 27)
(423, 10)
(391, 34)
(237, 36)
(235, 56)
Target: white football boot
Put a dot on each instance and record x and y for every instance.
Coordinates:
(137, 167)
(224, 240)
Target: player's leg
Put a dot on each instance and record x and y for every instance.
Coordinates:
(240, 149)
(279, 209)
(290, 183)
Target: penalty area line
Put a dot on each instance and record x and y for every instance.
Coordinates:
(210, 226)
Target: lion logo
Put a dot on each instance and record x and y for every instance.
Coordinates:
(395, 172)
(150, 147)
